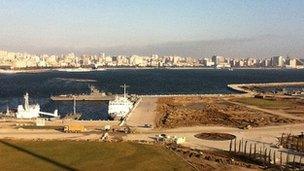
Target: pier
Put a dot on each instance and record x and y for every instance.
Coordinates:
(192, 95)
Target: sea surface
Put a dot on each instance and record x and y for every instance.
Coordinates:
(41, 86)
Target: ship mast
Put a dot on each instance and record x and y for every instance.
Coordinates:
(7, 111)
(26, 102)
(124, 86)
(74, 105)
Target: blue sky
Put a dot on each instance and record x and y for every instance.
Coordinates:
(78, 24)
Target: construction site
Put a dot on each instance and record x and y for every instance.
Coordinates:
(207, 132)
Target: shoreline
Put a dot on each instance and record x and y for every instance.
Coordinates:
(41, 70)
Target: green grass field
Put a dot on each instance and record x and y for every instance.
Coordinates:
(75, 155)
(263, 103)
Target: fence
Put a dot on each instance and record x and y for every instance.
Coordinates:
(292, 142)
(266, 155)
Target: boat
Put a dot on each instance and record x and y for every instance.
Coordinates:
(99, 69)
(79, 69)
(73, 116)
(8, 71)
(74, 69)
(95, 94)
(27, 111)
(120, 106)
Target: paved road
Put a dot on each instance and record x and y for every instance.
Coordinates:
(143, 113)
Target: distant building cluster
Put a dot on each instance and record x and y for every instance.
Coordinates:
(12, 60)
(276, 62)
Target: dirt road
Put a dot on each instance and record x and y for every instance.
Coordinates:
(277, 113)
(266, 135)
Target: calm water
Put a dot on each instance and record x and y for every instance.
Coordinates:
(154, 81)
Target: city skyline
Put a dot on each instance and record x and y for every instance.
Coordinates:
(193, 28)
(15, 60)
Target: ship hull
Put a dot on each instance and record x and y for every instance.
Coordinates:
(115, 117)
(80, 98)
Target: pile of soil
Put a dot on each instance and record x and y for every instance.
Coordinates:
(215, 136)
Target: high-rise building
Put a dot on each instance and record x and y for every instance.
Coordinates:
(277, 61)
(207, 62)
(218, 60)
(292, 63)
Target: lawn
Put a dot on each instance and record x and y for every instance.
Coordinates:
(77, 155)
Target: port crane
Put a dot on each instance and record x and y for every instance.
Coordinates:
(55, 114)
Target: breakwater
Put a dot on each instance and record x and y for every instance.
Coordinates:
(245, 88)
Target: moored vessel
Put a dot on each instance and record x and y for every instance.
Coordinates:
(74, 69)
(120, 106)
(94, 95)
(27, 111)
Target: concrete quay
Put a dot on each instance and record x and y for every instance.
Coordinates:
(190, 95)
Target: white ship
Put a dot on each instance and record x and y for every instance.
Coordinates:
(79, 69)
(27, 111)
(74, 69)
(7, 71)
(120, 106)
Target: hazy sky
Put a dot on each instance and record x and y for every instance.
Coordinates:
(159, 26)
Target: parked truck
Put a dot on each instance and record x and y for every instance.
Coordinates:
(74, 128)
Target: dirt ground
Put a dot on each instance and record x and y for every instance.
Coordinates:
(90, 125)
(189, 111)
(290, 106)
(213, 160)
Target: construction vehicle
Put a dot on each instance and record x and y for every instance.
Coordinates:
(125, 129)
(146, 125)
(74, 128)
